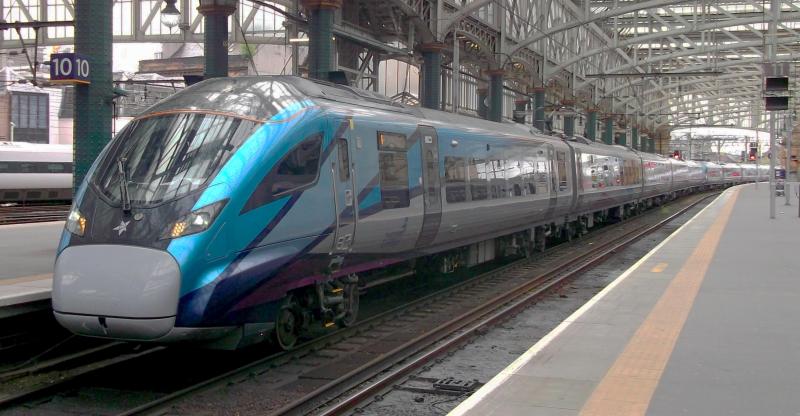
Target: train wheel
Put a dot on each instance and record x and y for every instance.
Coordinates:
(350, 301)
(287, 324)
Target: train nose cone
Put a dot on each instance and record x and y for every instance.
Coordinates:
(115, 291)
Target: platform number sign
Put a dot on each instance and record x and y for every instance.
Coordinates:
(69, 68)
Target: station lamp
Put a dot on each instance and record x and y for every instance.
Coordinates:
(170, 15)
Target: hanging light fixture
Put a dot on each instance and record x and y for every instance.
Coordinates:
(170, 15)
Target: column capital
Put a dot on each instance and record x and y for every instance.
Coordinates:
(482, 90)
(432, 47)
(567, 102)
(521, 101)
(216, 7)
(537, 89)
(322, 4)
(495, 72)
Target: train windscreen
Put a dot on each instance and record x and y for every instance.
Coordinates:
(165, 157)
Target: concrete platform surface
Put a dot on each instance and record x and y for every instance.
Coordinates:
(705, 324)
(27, 255)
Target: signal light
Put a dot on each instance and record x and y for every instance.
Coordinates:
(753, 153)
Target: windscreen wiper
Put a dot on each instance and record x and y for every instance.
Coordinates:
(123, 185)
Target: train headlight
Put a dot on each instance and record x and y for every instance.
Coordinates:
(76, 222)
(194, 222)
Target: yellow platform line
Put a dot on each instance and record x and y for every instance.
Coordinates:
(628, 386)
(25, 279)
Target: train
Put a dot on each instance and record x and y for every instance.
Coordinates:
(245, 209)
(35, 173)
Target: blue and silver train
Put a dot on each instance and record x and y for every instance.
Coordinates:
(246, 208)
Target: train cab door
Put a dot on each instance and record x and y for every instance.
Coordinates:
(343, 179)
(431, 186)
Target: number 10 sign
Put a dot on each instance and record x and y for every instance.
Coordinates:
(69, 67)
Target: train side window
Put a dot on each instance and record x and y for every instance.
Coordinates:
(497, 179)
(455, 179)
(393, 165)
(344, 160)
(55, 167)
(477, 180)
(529, 176)
(299, 167)
(394, 179)
(392, 141)
(561, 158)
(5, 167)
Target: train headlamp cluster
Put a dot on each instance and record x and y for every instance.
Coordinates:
(195, 221)
(76, 222)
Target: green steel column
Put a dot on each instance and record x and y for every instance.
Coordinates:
(483, 109)
(635, 137)
(496, 94)
(591, 124)
(215, 36)
(651, 145)
(320, 36)
(431, 91)
(569, 119)
(93, 111)
(622, 139)
(519, 110)
(608, 131)
(538, 108)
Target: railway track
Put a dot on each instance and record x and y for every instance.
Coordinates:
(312, 376)
(21, 214)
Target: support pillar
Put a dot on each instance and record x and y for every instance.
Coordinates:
(431, 91)
(538, 108)
(569, 120)
(483, 109)
(651, 145)
(635, 137)
(496, 94)
(320, 36)
(608, 131)
(93, 110)
(519, 110)
(215, 36)
(591, 124)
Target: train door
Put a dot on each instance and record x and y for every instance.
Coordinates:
(431, 185)
(343, 179)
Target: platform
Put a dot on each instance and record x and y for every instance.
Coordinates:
(27, 255)
(705, 324)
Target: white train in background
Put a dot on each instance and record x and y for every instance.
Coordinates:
(32, 173)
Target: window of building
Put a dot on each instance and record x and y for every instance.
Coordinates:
(299, 167)
(455, 179)
(30, 115)
(393, 165)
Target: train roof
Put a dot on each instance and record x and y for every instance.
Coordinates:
(6, 146)
(261, 97)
